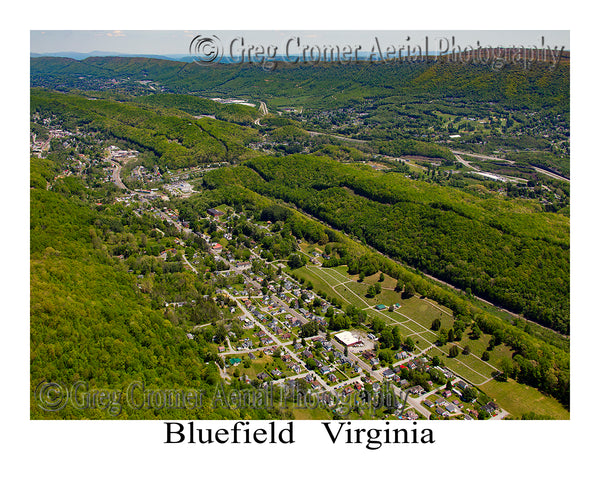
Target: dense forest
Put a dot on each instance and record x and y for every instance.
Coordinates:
(524, 114)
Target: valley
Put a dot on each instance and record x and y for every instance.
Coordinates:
(409, 242)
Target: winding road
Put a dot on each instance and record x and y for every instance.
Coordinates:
(263, 108)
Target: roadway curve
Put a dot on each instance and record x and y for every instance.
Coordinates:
(262, 109)
(543, 171)
(116, 176)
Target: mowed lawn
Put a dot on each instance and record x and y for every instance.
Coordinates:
(357, 293)
(481, 344)
(472, 361)
(375, 314)
(336, 273)
(419, 310)
(309, 413)
(519, 399)
(425, 313)
(257, 365)
(462, 366)
(429, 336)
(321, 283)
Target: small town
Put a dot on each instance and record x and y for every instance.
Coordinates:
(268, 338)
(277, 328)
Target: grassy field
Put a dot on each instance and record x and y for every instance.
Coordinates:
(414, 317)
(403, 330)
(429, 335)
(310, 413)
(425, 313)
(314, 276)
(340, 273)
(460, 365)
(258, 365)
(248, 333)
(360, 290)
(414, 326)
(519, 399)
(480, 345)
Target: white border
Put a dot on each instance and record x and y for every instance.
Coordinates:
(488, 449)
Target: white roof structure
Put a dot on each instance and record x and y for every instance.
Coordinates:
(347, 338)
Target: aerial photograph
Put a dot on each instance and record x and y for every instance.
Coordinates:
(299, 225)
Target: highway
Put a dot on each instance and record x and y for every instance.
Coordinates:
(116, 175)
(543, 171)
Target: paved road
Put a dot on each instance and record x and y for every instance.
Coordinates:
(370, 307)
(476, 169)
(116, 175)
(280, 302)
(503, 413)
(279, 343)
(263, 108)
(466, 163)
(378, 375)
(484, 157)
(189, 264)
(487, 157)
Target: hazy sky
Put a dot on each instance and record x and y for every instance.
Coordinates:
(162, 42)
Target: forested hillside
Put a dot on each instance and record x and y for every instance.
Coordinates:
(522, 113)
(176, 141)
(323, 85)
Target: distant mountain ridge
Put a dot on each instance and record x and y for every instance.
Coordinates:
(322, 86)
(99, 53)
(361, 55)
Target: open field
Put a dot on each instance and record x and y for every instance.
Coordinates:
(460, 366)
(424, 311)
(519, 399)
(310, 413)
(429, 335)
(258, 365)
(314, 276)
